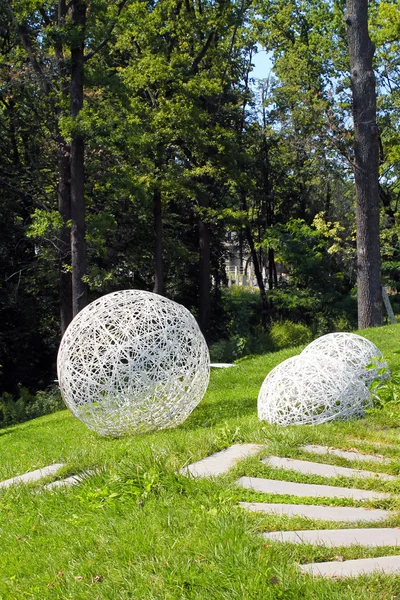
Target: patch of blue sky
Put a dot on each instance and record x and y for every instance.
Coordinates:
(262, 62)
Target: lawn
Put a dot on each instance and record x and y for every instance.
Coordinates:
(137, 529)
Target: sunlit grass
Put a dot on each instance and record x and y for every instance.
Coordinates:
(137, 529)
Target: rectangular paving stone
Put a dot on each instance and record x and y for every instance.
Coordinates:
(372, 443)
(31, 476)
(222, 365)
(388, 565)
(272, 486)
(348, 454)
(320, 513)
(222, 461)
(311, 468)
(68, 482)
(339, 537)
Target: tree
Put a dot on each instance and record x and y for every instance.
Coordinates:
(365, 164)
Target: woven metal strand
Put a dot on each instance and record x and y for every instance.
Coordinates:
(308, 390)
(131, 362)
(354, 351)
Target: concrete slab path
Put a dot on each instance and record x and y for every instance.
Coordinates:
(68, 482)
(32, 475)
(222, 461)
(388, 565)
(319, 513)
(311, 468)
(339, 537)
(272, 486)
(348, 454)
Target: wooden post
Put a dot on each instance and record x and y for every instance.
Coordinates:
(388, 306)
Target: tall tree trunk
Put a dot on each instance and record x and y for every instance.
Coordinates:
(366, 164)
(257, 272)
(64, 184)
(158, 242)
(78, 242)
(272, 274)
(64, 207)
(204, 269)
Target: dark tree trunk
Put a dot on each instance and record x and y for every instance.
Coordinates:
(78, 242)
(64, 206)
(366, 165)
(204, 270)
(272, 274)
(158, 242)
(64, 186)
(257, 272)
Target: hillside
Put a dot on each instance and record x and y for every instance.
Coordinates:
(136, 528)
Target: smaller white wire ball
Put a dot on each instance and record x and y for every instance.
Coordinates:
(302, 390)
(133, 361)
(354, 351)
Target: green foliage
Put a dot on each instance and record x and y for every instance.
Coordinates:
(242, 326)
(28, 406)
(286, 334)
(387, 394)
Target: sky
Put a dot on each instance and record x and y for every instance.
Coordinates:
(262, 64)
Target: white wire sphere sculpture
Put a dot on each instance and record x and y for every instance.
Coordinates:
(354, 351)
(302, 390)
(131, 362)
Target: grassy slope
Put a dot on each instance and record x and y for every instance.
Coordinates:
(138, 530)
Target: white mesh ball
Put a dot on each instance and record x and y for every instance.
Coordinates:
(355, 351)
(303, 390)
(131, 362)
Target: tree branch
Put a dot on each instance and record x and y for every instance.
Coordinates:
(106, 39)
(195, 64)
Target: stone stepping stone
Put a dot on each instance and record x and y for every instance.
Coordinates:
(272, 486)
(222, 461)
(31, 476)
(339, 537)
(371, 443)
(310, 468)
(222, 365)
(388, 565)
(320, 513)
(68, 482)
(349, 455)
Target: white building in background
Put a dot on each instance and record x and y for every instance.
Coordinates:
(239, 266)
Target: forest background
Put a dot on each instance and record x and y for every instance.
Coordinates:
(135, 143)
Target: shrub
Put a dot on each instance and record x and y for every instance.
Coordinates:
(28, 406)
(287, 333)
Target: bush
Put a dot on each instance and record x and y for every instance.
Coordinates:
(29, 406)
(287, 333)
(236, 347)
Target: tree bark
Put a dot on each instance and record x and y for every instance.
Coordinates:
(204, 270)
(64, 185)
(78, 242)
(158, 242)
(64, 207)
(366, 164)
(257, 272)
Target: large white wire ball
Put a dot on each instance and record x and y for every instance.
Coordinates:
(302, 390)
(354, 351)
(133, 361)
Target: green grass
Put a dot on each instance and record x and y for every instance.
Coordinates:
(136, 529)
